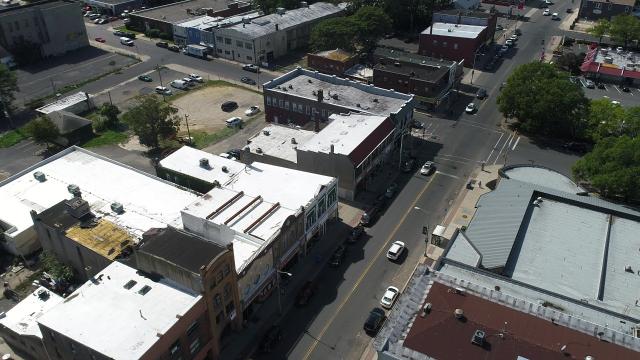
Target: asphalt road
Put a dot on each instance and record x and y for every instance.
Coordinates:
(331, 328)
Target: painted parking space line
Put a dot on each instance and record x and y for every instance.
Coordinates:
(615, 87)
(449, 175)
(516, 143)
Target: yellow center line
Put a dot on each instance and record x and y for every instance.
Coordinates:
(364, 273)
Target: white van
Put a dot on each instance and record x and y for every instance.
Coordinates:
(233, 122)
(179, 84)
(126, 41)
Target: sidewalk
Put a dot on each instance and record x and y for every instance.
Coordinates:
(243, 343)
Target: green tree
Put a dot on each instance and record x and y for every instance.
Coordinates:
(110, 114)
(43, 130)
(371, 24)
(544, 101)
(600, 29)
(8, 88)
(570, 62)
(58, 270)
(333, 33)
(624, 28)
(152, 120)
(605, 119)
(612, 168)
(631, 124)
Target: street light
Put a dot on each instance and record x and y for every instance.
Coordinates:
(473, 69)
(278, 272)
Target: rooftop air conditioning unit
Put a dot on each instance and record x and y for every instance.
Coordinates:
(224, 169)
(73, 189)
(259, 150)
(459, 314)
(265, 132)
(426, 309)
(478, 338)
(40, 176)
(280, 11)
(204, 163)
(117, 208)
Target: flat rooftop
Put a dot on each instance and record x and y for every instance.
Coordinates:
(410, 58)
(464, 13)
(276, 140)
(335, 54)
(185, 10)
(186, 160)
(611, 58)
(440, 335)
(427, 73)
(291, 18)
(63, 103)
(354, 135)
(181, 248)
(23, 318)
(104, 238)
(350, 95)
(120, 313)
(454, 30)
(148, 201)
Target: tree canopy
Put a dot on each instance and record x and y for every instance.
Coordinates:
(570, 62)
(109, 113)
(624, 28)
(544, 101)
(371, 25)
(8, 88)
(405, 15)
(152, 120)
(364, 28)
(43, 130)
(333, 33)
(612, 167)
(600, 29)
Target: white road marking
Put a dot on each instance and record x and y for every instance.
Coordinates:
(449, 175)
(615, 87)
(531, 12)
(456, 156)
(516, 143)
(494, 148)
(502, 149)
(478, 125)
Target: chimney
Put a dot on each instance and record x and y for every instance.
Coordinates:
(320, 95)
(316, 122)
(331, 149)
(277, 27)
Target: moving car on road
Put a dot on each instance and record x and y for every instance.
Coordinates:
(546, 12)
(374, 321)
(555, 16)
(145, 78)
(389, 297)
(481, 94)
(252, 110)
(396, 249)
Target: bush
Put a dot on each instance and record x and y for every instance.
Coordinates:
(165, 36)
(152, 33)
(99, 125)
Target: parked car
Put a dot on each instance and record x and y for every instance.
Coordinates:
(88, 14)
(518, 32)
(163, 90)
(233, 122)
(101, 21)
(555, 16)
(546, 12)
(389, 297)
(179, 84)
(396, 249)
(569, 10)
(513, 37)
(587, 83)
(100, 40)
(408, 166)
(355, 234)
(196, 77)
(229, 106)
(391, 190)
(503, 49)
(174, 48)
(427, 168)
(625, 89)
(162, 44)
(470, 109)
(252, 110)
(305, 294)
(126, 41)
(189, 81)
(119, 33)
(145, 78)
(481, 94)
(499, 27)
(94, 16)
(251, 68)
(337, 256)
(247, 80)
(601, 86)
(417, 124)
(509, 42)
(374, 321)
(271, 339)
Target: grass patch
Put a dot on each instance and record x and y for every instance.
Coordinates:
(202, 139)
(27, 282)
(108, 137)
(12, 137)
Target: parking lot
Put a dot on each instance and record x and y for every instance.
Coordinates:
(615, 93)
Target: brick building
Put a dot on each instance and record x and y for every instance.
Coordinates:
(467, 17)
(332, 62)
(430, 80)
(604, 9)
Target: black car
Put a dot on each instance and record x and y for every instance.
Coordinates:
(338, 256)
(626, 89)
(271, 339)
(305, 294)
(162, 44)
(578, 147)
(235, 153)
(374, 321)
(355, 234)
(247, 80)
(119, 33)
(481, 94)
(517, 32)
(569, 10)
(174, 48)
(229, 106)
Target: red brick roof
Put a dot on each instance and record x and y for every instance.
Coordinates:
(440, 335)
(371, 142)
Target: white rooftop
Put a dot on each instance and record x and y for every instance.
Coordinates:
(118, 322)
(454, 30)
(63, 103)
(22, 318)
(148, 201)
(186, 160)
(275, 140)
(345, 132)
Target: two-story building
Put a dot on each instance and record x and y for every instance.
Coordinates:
(594, 10)
(332, 62)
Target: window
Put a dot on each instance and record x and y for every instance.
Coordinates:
(219, 51)
(195, 346)
(219, 39)
(627, 9)
(324, 112)
(249, 58)
(435, 42)
(219, 276)
(227, 41)
(130, 284)
(248, 45)
(308, 110)
(227, 52)
(145, 289)
(598, 5)
(192, 328)
(294, 106)
(286, 105)
(322, 206)
(239, 44)
(281, 103)
(227, 291)
(311, 218)
(217, 301)
(331, 197)
(455, 46)
(72, 347)
(268, 100)
(444, 44)
(175, 351)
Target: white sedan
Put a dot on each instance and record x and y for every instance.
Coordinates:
(196, 77)
(396, 249)
(389, 297)
(426, 168)
(470, 108)
(252, 111)
(546, 12)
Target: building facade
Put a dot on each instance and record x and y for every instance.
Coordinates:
(115, 7)
(594, 10)
(54, 27)
(264, 39)
(332, 62)
(468, 17)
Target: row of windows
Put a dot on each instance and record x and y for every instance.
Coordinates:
(295, 107)
(220, 275)
(320, 208)
(11, 26)
(239, 43)
(444, 44)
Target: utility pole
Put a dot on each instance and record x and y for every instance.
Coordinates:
(186, 119)
(52, 86)
(110, 101)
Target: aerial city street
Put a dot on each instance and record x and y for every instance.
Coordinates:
(284, 179)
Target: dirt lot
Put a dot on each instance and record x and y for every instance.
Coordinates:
(203, 106)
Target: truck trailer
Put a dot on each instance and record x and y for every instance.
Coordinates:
(197, 51)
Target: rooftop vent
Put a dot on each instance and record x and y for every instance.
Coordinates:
(204, 163)
(628, 269)
(145, 289)
(224, 169)
(290, 86)
(265, 132)
(77, 207)
(73, 189)
(537, 201)
(396, 64)
(40, 176)
(358, 105)
(280, 11)
(259, 150)
(426, 309)
(293, 141)
(334, 96)
(129, 284)
(117, 208)
(304, 4)
(375, 100)
(478, 338)
(589, 357)
(459, 314)
(309, 81)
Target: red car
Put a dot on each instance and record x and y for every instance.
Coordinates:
(98, 39)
